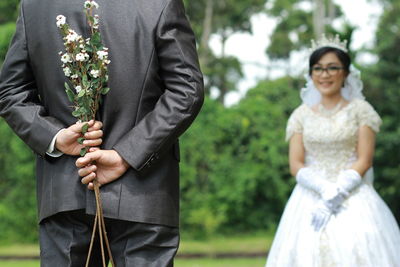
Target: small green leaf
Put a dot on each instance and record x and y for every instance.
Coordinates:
(70, 94)
(76, 113)
(85, 128)
(81, 93)
(96, 38)
(80, 140)
(85, 83)
(67, 86)
(83, 151)
(105, 90)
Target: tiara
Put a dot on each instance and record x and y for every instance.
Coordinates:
(330, 42)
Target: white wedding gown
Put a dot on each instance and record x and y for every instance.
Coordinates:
(364, 233)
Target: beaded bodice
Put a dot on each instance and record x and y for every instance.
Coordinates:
(330, 142)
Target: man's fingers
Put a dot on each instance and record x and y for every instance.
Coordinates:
(87, 170)
(96, 142)
(97, 125)
(77, 127)
(88, 158)
(94, 134)
(88, 178)
(90, 186)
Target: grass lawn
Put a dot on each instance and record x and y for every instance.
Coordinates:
(207, 262)
(258, 242)
(254, 243)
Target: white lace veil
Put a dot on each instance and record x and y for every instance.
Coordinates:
(352, 89)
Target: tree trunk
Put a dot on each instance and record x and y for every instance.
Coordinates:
(223, 84)
(207, 29)
(319, 18)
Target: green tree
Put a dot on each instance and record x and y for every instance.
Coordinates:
(17, 189)
(235, 173)
(223, 18)
(297, 25)
(6, 32)
(18, 220)
(382, 82)
(8, 11)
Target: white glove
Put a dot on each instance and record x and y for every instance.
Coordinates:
(315, 181)
(348, 180)
(312, 180)
(332, 197)
(320, 216)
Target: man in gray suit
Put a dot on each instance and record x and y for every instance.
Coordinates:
(156, 92)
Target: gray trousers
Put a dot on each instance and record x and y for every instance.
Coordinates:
(65, 238)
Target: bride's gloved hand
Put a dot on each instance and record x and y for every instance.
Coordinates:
(330, 203)
(333, 197)
(348, 180)
(315, 180)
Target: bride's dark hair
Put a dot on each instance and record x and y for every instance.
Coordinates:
(320, 52)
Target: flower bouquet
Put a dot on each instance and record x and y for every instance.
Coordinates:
(84, 63)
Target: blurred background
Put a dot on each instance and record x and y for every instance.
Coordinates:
(235, 178)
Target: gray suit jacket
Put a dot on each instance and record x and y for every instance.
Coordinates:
(156, 92)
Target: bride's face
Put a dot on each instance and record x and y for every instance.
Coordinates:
(328, 74)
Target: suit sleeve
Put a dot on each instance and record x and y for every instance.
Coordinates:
(19, 100)
(184, 91)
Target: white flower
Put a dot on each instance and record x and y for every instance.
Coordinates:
(95, 73)
(80, 57)
(107, 61)
(87, 4)
(60, 21)
(72, 36)
(81, 46)
(75, 76)
(66, 58)
(67, 71)
(102, 54)
(96, 21)
(90, 4)
(78, 89)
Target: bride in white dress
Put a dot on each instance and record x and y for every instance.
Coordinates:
(334, 217)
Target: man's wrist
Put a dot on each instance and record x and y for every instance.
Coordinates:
(52, 149)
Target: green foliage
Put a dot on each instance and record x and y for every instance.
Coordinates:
(228, 15)
(235, 172)
(223, 18)
(295, 27)
(382, 80)
(17, 189)
(8, 11)
(6, 33)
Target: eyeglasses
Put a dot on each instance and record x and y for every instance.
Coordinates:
(331, 70)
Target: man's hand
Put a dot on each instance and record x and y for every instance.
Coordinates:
(103, 165)
(67, 143)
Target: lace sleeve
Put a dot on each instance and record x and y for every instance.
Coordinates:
(295, 123)
(368, 116)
